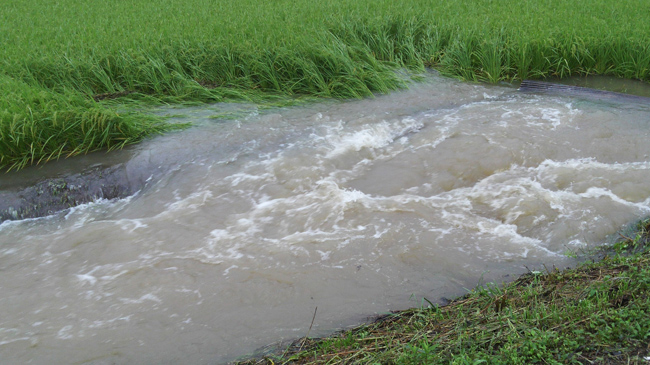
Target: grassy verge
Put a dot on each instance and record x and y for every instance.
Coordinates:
(37, 125)
(595, 313)
(209, 51)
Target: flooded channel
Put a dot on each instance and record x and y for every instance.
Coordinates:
(356, 207)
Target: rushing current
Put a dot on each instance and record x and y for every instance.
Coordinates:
(355, 207)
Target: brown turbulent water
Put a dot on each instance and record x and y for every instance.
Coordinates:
(354, 207)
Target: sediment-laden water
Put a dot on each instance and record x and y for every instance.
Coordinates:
(354, 207)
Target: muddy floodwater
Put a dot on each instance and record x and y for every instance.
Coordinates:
(355, 207)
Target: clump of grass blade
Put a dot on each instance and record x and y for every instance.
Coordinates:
(38, 125)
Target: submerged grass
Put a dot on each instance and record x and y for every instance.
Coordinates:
(210, 51)
(596, 313)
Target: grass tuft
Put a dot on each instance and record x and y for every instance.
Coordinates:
(38, 125)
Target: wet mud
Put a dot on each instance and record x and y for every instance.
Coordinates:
(59, 193)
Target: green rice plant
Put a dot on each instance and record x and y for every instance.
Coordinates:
(431, 43)
(170, 51)
(459, 58)
(561, 57)
(603, 62)
(493, 60)
(630, 64)
(539, 54)
(521, 60)
(38, 125)
(641, 62)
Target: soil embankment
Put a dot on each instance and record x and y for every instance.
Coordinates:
(55, 194)
(43, 190)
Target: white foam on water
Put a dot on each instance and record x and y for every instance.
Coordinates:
(109, 322)
(361, 207)
(65, 333)
(147, 297)
(371, 136)
(83, 214)
(130, 225)
(592, 163)
(191, 203)
(87, 278)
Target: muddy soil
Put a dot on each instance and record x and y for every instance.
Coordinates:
(55, 194)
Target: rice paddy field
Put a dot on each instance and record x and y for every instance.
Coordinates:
(73, 74)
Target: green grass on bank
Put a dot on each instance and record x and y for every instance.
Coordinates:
(37, 125)
(84, 53)
(596, 313)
